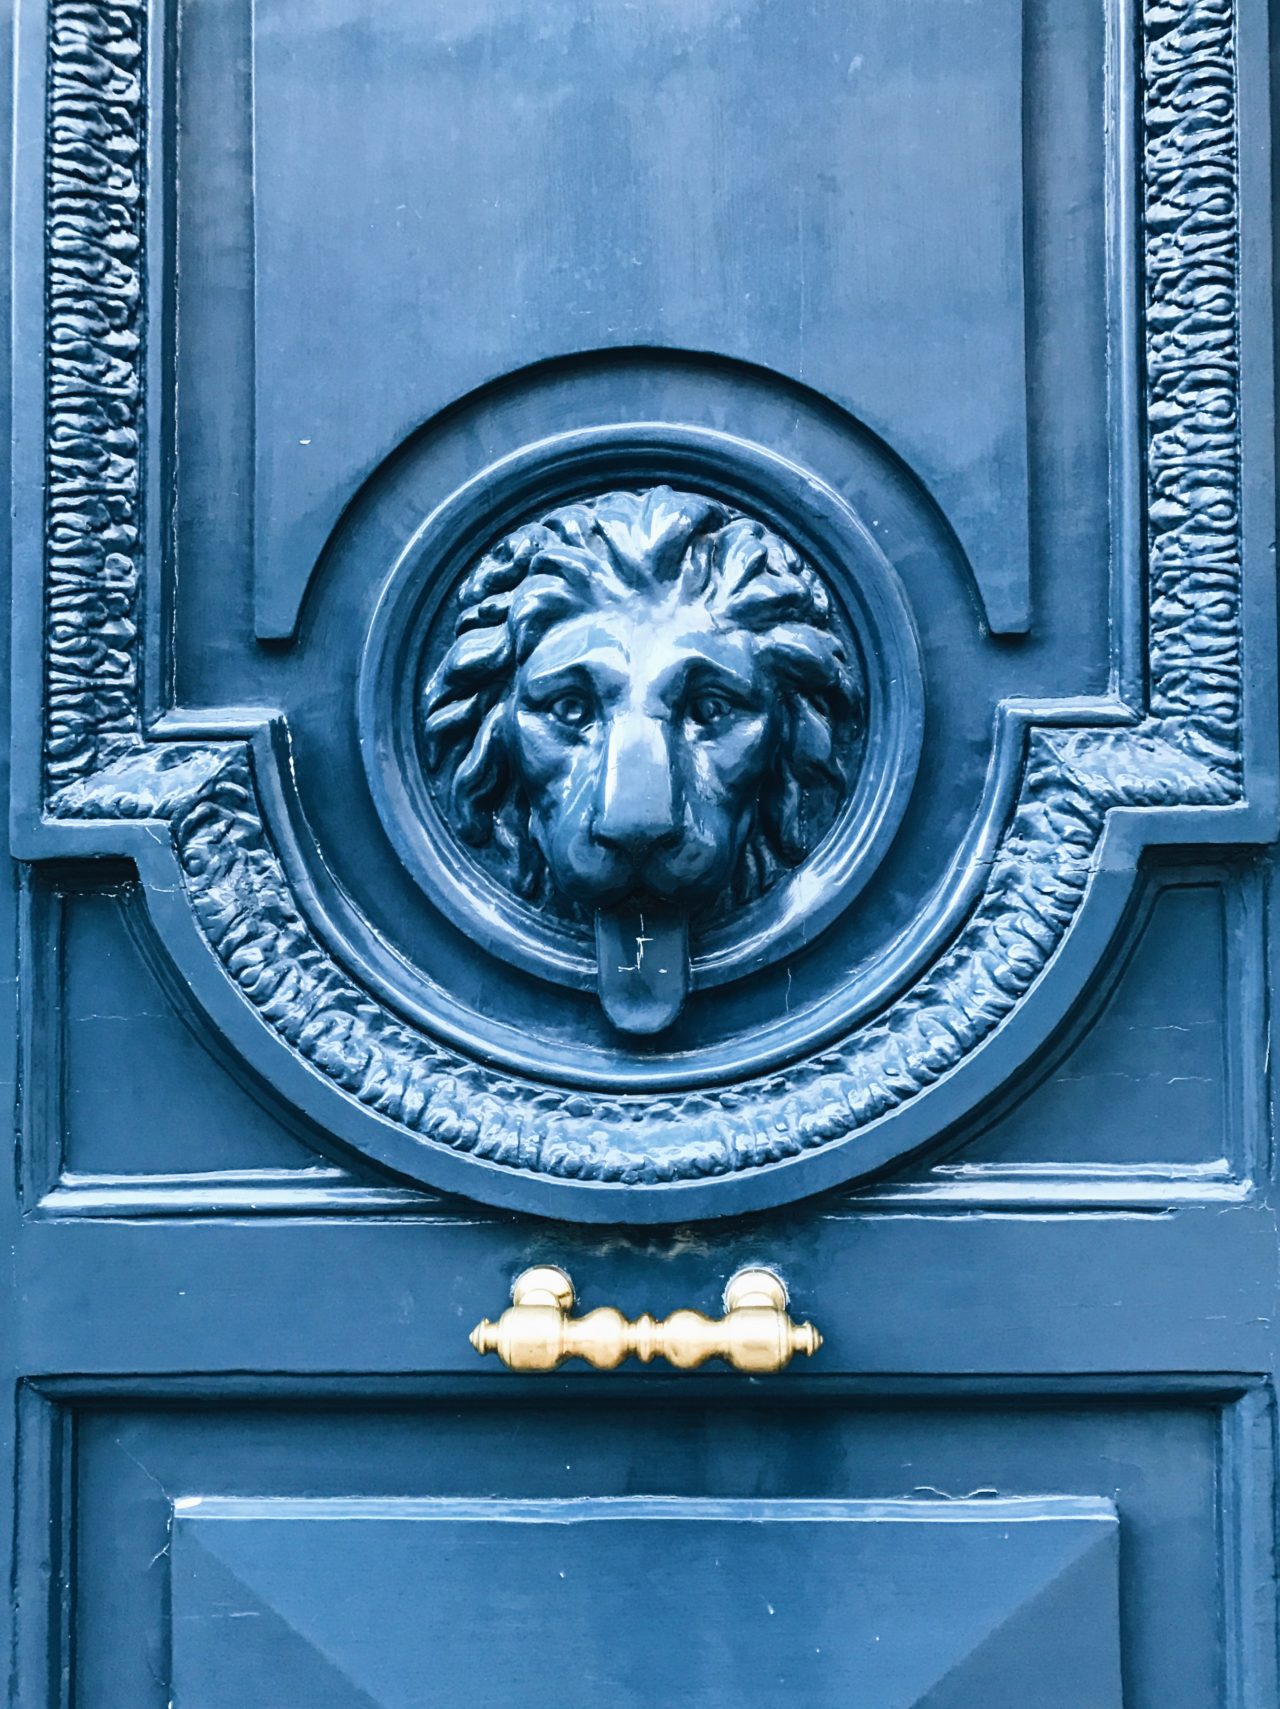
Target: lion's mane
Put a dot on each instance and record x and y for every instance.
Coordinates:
(627, 547)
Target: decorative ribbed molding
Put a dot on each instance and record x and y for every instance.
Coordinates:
(243, 904)
(94, 285)
(1190, 261)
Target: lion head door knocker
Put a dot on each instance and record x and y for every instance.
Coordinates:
(649, 713)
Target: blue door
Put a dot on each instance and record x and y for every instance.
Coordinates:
(643, 781)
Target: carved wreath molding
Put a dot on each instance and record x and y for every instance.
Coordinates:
(1185, 751)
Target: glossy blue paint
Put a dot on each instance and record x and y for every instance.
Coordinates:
(316, 309)
(766, 1603)
(752, 190)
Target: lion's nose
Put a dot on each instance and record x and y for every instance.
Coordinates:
(637, 809)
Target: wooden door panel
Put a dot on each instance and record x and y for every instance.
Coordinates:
(540, 1603)
(952, 454)
(644, 640)
(1185, 1471)
(1151, 1088)
(485, 246)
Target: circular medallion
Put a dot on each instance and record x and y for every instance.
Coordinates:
(644, 739)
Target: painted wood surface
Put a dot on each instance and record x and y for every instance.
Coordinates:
(499, 492)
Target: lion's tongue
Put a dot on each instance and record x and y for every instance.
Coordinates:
(642, 965)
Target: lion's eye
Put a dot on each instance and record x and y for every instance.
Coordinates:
(708, 709)
(572, 710)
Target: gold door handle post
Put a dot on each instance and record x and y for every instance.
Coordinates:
(537, 1332)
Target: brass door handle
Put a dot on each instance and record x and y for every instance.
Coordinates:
(537, 1333)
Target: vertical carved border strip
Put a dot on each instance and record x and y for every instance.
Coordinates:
(1191, 338)
(94, 313)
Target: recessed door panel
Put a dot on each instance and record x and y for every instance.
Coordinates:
(563, 1605)
(740, 175)
(413, 1542)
